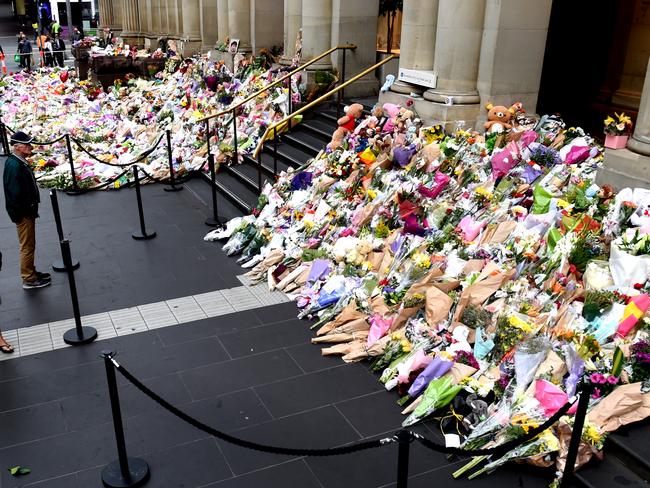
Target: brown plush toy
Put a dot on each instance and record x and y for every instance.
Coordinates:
(346, 124)
(499, 117)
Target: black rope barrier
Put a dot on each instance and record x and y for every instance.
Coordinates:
(142, 156)
(501, 449)
(360, 446)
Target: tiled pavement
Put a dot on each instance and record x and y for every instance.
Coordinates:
(252, 373)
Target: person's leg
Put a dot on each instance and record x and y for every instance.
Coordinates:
(5, 346)
(27, 239)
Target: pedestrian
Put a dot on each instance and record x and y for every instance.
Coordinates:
(48, 52)
(5, 347)
(2, 62)
(40, 44)
(76, 35)
(22, 199)
(25, 52)
(55, 28)
(59, 50)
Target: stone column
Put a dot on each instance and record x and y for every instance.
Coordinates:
(239, 23)
(356, 23)
(292, 24)
(156, 28)
(640, 141)
(512, 53)
(106, 18)
(117, 6)
(209, 22)
(144, 9)
(191, 22)
(174, 24)
(223, 30)
(457, 50)
(131, 22)
(419, 19)
(266, 23)
(317, 32)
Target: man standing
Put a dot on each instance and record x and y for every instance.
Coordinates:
(22, 199)
(59, 50)
(25, 51)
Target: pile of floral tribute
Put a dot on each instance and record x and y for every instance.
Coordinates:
(485, 276)
(123, 123)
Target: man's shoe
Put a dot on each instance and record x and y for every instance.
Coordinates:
(37, 283)
(43, 276)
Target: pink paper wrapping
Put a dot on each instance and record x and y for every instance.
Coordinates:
(505, 160)
(440, 180)
(469, 228)
(636, 307)
(378, 328)
(551, 397)
(577, 154)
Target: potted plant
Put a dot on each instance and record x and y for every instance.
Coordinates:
(617, 130)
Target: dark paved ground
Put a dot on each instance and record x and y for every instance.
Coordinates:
(253, 374)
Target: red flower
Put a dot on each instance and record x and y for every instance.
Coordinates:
(572, 269)
(638, 286)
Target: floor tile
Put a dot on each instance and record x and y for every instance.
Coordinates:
(334, 385)
(237, 374)
(309, 357)
(293, 473)
(319, 428)
(265, 338)
(31, 423)
(208, 328)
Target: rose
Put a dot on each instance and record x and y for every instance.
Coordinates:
(612, 380)
(597, 378)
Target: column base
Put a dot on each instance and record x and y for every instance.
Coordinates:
(452, 98)
(286, 61)
(640, 145)
(436, 113)
(132, 38)
(623, 168)
(405, 88)
(188, 47)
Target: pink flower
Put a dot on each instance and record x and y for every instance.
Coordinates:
(612, 380)
(596, 393)
(598, 378)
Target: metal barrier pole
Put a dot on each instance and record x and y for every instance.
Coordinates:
(576, 435)
(79, 335)
(3, 140)
(215, 220)
(59, 265)
(404, 438)
(75, 187)
(275, 153)
(234, 132)
(172, 180)
(125, 472)
(340, 94)
(290, 105)
(143, 235)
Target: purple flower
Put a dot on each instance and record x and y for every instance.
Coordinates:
(612, 380)
(597, 378)
(301, 181)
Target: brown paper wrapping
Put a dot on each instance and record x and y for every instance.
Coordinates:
(342, 337)
(437, 306)
(402, 316)
(356, 325)
(359, 350)
(348, 314)
(378, 306)
(273, 258)
(624, 405)
(585, 451)
(488, 282)
(473, 265)
(459, 372)
(342, 349)
(412, 406)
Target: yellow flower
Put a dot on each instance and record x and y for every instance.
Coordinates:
(624, 118)
(484, 193)
(309, 224)
(372, 194)
(515, 321)
(562, 203)
(422, 260)
(396, 336)
(41, 162)
(609, 120)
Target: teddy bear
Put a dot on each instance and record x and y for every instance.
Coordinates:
(391, 111)
(499, 117)
(346, 124)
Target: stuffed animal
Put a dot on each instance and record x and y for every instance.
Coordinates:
(499, 117)
(346, 124)
(391, 111)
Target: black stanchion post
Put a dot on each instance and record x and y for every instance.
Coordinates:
(125, 472)
(215, 220)
(234, 136)
(143, 235)
(404, 439)
(3, 139)
(576, 435)
(79, 335)
(172, 180)
(75, 187)
(59, 265)
(275, 153)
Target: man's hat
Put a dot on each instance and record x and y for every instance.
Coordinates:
(20, 138)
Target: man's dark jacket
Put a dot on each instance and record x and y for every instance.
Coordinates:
(21, 191)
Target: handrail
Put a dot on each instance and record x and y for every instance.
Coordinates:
(316, 102)
(278, 81)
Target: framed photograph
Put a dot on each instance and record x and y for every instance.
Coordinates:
(233, 46)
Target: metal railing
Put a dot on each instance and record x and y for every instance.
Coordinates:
(273, 128)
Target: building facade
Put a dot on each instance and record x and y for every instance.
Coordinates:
(581, 59)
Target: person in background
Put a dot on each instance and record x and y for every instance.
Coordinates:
(48, 52)
(5, 347)
(76, 35)
(21, 200)
(55, 28)
(59, 47)
(25, 51)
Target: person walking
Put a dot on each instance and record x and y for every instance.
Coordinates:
(59, 50)
(25, 52)
(5, 347)
(76, 35)
(21, 200)
(3, 64)
(48, 52)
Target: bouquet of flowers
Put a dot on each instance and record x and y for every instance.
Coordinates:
(618, 125)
